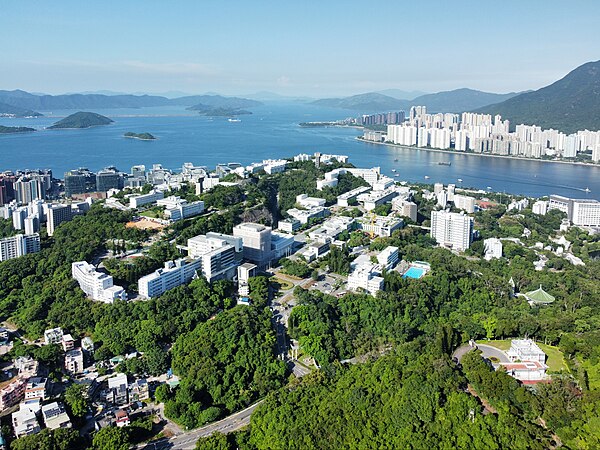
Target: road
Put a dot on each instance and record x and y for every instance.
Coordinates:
(187, 440)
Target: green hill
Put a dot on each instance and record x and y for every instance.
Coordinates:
(141, 136)
(81, 119)
(11, 130)
(570, 104)
(369, 102)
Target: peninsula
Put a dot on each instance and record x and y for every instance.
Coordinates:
(140, 136)
(12, 130)
(81, 119)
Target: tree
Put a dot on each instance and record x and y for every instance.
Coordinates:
(76, 400)
(111, 438)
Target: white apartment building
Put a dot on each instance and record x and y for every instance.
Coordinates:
(175, 273)
(256, 239)
(19, 245)
(53, 336)
(74, 361)
(96, 285)
(540, 207)
(145, 199)
(454, 230)
(492, 248)
(465, 203)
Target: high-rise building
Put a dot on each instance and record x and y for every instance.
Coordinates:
(454, 230)
(19, 245)
(79, 181)
(7, 191)
(257, 242)
(220, 254)
(28, 189)
(58, 214)
(109, 178)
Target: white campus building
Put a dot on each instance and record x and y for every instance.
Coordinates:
(453, 230)
(492, 248)
(96, 285)
(220, 254)
(173, 274)
(145, 199)
(177, 208)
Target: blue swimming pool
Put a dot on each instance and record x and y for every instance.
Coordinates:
(414, 272)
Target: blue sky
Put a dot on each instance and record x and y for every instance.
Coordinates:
(306, 47)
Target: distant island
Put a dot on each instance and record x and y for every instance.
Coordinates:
(81, 119)
(223, 111)
(11, 130)
(141, 136)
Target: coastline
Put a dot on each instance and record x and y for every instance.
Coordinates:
(485, 155)
(139, 138)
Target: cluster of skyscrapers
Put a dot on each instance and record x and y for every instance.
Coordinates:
(482, 133)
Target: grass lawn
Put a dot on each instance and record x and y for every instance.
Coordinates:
(149, 213)
(555, 360)
(283, 285)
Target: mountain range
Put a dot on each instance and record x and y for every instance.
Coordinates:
(569, 104)
(20, 103)
(458, 100)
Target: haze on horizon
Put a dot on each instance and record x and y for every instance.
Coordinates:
(306, 48)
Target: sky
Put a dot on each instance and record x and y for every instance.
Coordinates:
(296, 48)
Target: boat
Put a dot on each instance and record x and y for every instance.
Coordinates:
(396, 160)
(444, 163)
(234, 120)
(460, 180)
(397, 175)
(427, 177)
(587, 189)
(393, 170)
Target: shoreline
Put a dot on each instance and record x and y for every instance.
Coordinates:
(485, 155)
(140, 139)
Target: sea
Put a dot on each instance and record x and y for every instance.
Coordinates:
(272, 131)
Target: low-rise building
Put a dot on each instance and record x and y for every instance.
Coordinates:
(177, 208)
(139, 390)
(175, 273)
(525, 350)
(74, 361)
(53, 336)
(27, 366)
(96, 285)
(289, 225)
(366, 276)
(55, 416)
(388, 257)
(349, 198)
(118, 393)
(281, 245)
(372, 199)
(465, 203)
(68, 343)
(36, 388)
(12, 394)
(308, 202)
(122, 418)
(145, 199)
(492, 248)
(540, 207)
(25, 422)
(382, 226)
(244, 272)
(405, 207)
(306, 215)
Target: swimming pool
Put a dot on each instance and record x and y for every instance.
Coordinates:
(414, 272)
